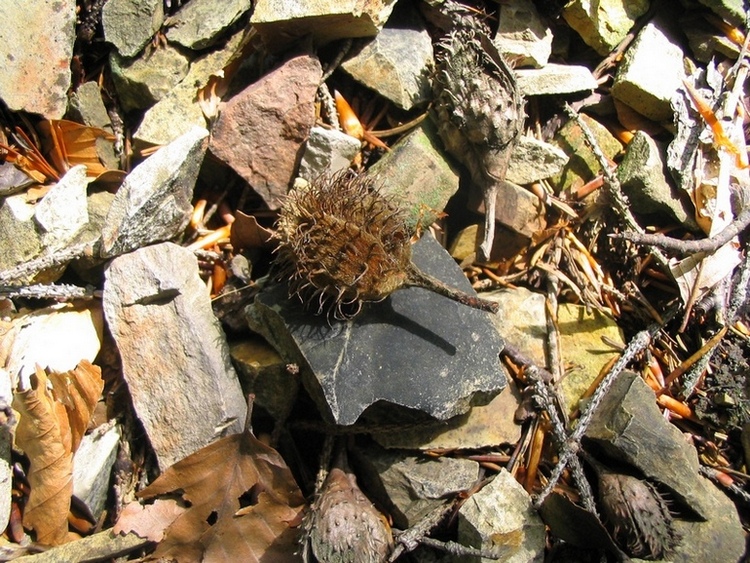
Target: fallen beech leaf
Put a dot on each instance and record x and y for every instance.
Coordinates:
(47, 446)
(69, 143)
(150, 521)
(78, 390)
(243, 501)
(247, 233)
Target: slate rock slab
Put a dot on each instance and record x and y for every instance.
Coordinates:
(175, 358)
(416, 349)
(153, 204)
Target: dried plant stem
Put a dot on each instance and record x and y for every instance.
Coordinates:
(707, 245)
(417, 278)
(612, 184)
(458, 550)
(409, 540)
(571, 445)
(61, 292)
(33, 267)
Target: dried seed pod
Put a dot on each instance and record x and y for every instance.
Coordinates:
(638, 515)
(478, 108)
(343, 243)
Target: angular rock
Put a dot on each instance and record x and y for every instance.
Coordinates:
(154, 202)
(484, 426)
(327, 150)
(36, 46)
(522, 36)
(411, 486)
(583, 336)
(417, 173)
(649, 74)
(733, 11)
(261, 130)
(603, 24)
(521, 319)
(516, 208)
(200, 23)
(179, 111)
(175, 358)
(415, 348)
(583, 165)
(86, 106)
(555, 79)
(264, 373)
(643, 177)
(500, 519)
(629, 428)
(143, 81)
(12, 179)
(506, 245)
(534, 160)
(63, 211)
(706, 41)
(130, 24)
(281, 23)
(92, 467)
(20, 240)
(396, 63)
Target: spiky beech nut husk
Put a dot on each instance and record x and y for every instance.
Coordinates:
(478, 108)
(343, 243)
(637, 514)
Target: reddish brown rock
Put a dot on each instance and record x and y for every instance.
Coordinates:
(261, 130)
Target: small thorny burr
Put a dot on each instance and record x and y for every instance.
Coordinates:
(478, 107)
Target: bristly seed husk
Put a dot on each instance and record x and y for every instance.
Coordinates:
(343, 243)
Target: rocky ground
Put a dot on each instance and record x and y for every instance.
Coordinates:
(217, 221)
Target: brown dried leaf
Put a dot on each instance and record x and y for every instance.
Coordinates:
(78, 390)
(47, 445)
(69, 144)
(150, 521)
(243, 499)
(247, 233)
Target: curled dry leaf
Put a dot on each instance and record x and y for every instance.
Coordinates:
(49, 435)
(244, 504)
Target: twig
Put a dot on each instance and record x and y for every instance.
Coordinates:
(459, 550)
(33, 267)
(707, 245)
(409, 540)
(572, 443)
(612, 184)
(61, 292)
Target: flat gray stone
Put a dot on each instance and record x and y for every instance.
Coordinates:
(555, 79)
(130, 24)
(20, 240)
(63, 211)
(179, 111)
(200, 23)
(281, 23)
(327, 150)
(522, 36)
(396, 63)
(92, 466)
(143, 81)
(36, 46)
(417, 173)
(649, 74)
(534, 160)
(411, 486)
(415, 349)
(643, 177)
(603, 24)
(629, 427)
(154, 202)
(175, 358)
(517, 208)
(500, 519)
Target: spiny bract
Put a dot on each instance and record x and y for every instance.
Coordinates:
(342, 243)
